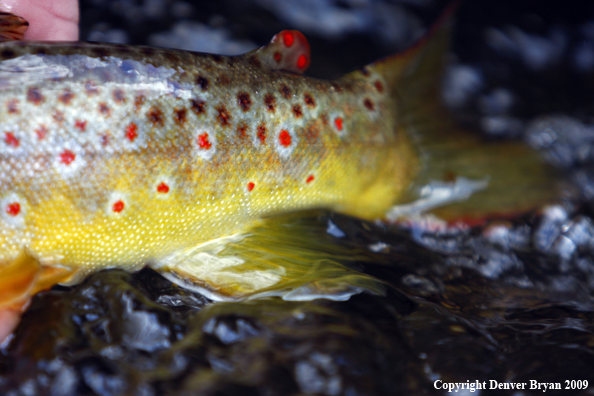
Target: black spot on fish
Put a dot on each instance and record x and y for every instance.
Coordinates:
(216, 58)
(262, 133)
(103, 108)
(202, 82)
(242, 130)
(12, 106)
(369, 104)
(297, 111)
(34, 96)
(100, 52)
(66, 97)
(309, 100)
(138, 102)
(224, 117)
(223, 80)
(155, 115)
(148, 51)
(337, 87)
(58, 116)
(91, 87)
(270, 102)
(179, 115)
(8, 53)
(198, 106)
(171, 56)
(118, 96)
(285, 91)
(244, 101)
(255, 61)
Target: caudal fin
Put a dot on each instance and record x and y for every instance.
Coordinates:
(462, 176)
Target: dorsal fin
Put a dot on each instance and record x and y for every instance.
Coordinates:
(288, 50)
(12, 27)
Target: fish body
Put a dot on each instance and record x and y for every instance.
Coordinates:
(123, 156)
(112, 154)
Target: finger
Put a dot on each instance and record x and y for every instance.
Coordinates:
(48, 19)
(8, 321)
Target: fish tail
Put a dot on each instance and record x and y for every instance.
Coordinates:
(461, 176)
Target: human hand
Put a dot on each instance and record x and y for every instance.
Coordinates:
(48, 19)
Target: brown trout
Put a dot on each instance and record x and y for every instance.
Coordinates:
(113, 155)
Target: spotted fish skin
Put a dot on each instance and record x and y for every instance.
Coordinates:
(116, 155)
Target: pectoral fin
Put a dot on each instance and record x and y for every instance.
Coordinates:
(24, 276)
(288, 256)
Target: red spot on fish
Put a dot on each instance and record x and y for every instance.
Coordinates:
(309, 179)
(297, 111)
(309, 100)
(203, 141)
(163, 188)
(118, 206)
(262, 133)
(250, 186)
(270, 102)
(67, 156)
(338, 123)
(379, 86)
(155, 115)
(223, 115)
(105, 139)
(277, 57)
(118, 96)
(41, 132)
(103, 108)
(179, 115)
(12, 106)
(244, 101)
(81, 125)
(198, 106)
(34, 96)
(66, 97)
(369, 104)
(11, 140)
(301, 61)
(284, 138)
(132, 132)
(13, 208)
(288, 39)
